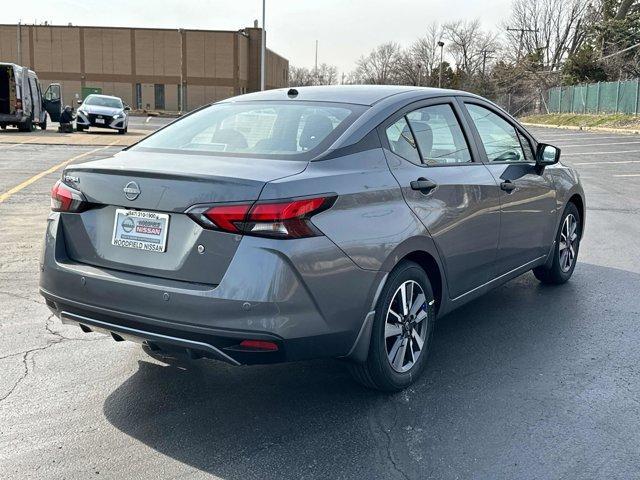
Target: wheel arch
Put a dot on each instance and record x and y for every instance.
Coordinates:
(578, 201)
(421, 250)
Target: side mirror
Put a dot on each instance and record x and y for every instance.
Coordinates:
(547, 155)
(79, 102)
(127, 108)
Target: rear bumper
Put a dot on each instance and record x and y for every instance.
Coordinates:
(305, 296)
(12, 119)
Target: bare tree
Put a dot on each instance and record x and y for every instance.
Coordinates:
(381, 66)
(417, 63)
(304, 77)
(469, 46)
(326, 75)
(549, 29)
(300, 76)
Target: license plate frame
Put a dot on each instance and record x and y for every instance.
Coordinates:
(141, 231)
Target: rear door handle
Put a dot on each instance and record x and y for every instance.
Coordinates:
(423, 185)
(508, 186)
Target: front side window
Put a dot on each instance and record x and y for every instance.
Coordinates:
(401, 141)
(286, 129)
(439, 135)
(499, 137)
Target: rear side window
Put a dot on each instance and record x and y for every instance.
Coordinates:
(401, 141)
(439, 135)
(499, 137)
(291, 130)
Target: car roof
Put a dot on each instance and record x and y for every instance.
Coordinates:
(356, 94)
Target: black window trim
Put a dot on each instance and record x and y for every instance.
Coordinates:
(463, 123)
(506, 117)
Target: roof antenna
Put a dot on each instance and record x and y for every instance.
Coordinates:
(292, 93)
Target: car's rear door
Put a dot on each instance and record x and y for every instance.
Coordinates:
(452, 193)
(527, 195)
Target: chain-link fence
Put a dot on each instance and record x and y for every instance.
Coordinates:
(601, 97)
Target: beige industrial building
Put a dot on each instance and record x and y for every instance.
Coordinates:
(144, 66)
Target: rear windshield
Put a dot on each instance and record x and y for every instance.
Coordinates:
(293, 130)
(103, 101)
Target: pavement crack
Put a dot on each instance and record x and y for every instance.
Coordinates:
(26, 370)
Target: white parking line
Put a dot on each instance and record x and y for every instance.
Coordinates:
(603, 153)
(598, 144)
(569, 137)
(628, 175)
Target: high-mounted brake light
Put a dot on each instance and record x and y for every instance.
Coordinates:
(280, 219)
(67, 199)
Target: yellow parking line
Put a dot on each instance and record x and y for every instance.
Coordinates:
(4, 196)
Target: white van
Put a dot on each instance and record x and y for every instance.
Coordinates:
(21, 101)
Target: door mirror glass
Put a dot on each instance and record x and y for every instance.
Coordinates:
(127, 108)
(547, 154)
(79, 102)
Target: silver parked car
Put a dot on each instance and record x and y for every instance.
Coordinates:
(103, 111)
(318, 222)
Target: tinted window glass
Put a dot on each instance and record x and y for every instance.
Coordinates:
(257, 128)
(402, 142)
(498, 136)
(439, 135)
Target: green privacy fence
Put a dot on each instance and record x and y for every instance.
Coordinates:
(601, 97)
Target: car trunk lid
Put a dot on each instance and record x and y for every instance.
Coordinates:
(164, 183)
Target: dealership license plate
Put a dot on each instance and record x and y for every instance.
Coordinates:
(140, 230)
(100, 120)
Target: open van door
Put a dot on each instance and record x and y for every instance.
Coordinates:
(52, 101)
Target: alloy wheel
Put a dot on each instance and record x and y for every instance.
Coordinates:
(568, 243)
(405, 328)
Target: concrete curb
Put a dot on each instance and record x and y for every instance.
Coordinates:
(622, 131)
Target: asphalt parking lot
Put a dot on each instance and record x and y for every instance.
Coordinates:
(529, 381)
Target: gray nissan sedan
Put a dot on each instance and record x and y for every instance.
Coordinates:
(314, 222)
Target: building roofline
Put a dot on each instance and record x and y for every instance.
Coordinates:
(239, 32)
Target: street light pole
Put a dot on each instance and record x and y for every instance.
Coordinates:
(264, 48)
(441, 45)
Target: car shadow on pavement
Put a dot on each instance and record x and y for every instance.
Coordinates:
(509, 387)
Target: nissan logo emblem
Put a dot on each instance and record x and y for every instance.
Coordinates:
(131, 191)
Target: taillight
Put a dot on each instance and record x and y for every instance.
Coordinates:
(67, 199)
(18, 104)
(280, 219)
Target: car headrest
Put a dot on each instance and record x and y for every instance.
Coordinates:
(230, 137)
(424, 136)
(316, 128)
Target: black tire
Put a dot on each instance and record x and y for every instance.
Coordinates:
(3, 127)
(558, 273)
(123, 131)
(26, 126)
(43, 125)
(80, 128)
(377, 372)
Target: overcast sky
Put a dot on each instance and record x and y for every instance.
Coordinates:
(345, 29)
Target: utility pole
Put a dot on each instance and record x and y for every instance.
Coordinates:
(263, 51)
(20, 42)
(315, 70)
(484, 60)
(441, 45)
(181, 33)
(522, 32)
